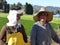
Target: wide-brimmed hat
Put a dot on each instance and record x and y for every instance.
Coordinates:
(18, 9)
(21, 12)
(49, 16)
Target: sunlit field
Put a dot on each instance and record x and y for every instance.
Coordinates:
(27, 21)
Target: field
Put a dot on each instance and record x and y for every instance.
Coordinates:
(27, 21)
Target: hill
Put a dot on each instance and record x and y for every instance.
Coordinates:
(49, 8)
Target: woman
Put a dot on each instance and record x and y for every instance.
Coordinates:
(13, 33)
(42, 31)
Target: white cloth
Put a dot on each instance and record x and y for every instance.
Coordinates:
(12, 18)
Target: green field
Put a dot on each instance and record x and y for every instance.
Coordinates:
(27, 21)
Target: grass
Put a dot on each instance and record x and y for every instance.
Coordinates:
(27, 21)
(56, 24)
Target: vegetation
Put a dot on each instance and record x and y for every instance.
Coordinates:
(4, 6)
(27, 21)
(28, 9)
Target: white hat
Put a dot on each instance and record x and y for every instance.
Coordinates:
(12, 18)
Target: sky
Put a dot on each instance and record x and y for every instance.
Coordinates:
(55, 3)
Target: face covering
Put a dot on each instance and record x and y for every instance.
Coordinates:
(12, 18)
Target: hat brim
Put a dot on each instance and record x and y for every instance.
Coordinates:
(49, 16)
(20, 12)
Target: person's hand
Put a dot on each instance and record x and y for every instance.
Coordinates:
(2, 42)
(28, 39)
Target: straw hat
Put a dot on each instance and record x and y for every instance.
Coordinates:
(49, 16)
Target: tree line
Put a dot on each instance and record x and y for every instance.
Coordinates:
(28, 8)
(6, 7)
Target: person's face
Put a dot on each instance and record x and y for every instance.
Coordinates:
(43, 17)
(18, 16)
(11, 27)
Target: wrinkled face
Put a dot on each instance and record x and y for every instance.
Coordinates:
(43, 17)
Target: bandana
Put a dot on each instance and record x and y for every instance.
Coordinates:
(12, 18)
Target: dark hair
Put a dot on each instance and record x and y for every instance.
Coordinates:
(16, 8)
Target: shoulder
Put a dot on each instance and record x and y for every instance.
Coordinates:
(49, 24)
(22, 26)
(3, 29)
(35, 25)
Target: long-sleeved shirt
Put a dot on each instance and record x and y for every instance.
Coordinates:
(41, 35)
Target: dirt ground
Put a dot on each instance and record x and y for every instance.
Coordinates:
(54, 43)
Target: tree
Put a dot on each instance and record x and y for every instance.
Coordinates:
(57, 12)
(13, 6)
(28, 9)
(53, 12)
(16, 6)
(0, 5)
(19, 4)
(4, 2)
(5, 6)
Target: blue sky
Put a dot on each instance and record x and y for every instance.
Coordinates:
(55, 3)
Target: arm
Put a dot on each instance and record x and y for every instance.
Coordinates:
(3, 33)
(54, 35)
(33, 35)
(24, 34)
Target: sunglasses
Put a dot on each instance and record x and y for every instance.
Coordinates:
(43, 13)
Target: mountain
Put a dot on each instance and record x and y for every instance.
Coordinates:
(36, 8)
(49, 8)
